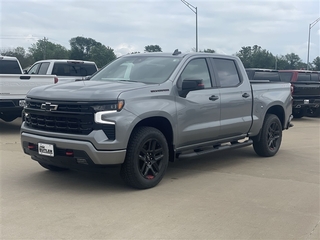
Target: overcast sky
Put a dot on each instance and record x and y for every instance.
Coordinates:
(127, 26)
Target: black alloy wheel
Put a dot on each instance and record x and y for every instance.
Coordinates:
(146, 159)
(269, 141)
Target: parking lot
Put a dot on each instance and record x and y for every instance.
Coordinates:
(226, 195)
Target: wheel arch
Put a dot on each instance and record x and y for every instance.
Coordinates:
(164, 126)
(279, 112)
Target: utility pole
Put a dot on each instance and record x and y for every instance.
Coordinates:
(310, 26)
(195, 11)
(44, 47)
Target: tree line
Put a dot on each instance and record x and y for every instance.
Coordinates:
(88, 49)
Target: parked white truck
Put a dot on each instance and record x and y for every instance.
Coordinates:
(66, 70)
(14, 86)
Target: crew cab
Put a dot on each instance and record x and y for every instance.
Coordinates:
(14, 86)
(305, 91)
(66, 70)
(143, 110)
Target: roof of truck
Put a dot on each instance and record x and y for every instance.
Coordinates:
(65, 60)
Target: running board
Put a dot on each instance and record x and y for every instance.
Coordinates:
(200, 152)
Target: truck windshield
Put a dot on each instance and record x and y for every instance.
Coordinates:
(146, 69)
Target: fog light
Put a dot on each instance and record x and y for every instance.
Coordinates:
(69, 153)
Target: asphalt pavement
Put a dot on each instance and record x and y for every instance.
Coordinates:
(226, 195)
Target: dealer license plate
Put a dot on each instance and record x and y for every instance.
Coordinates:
(46, 149)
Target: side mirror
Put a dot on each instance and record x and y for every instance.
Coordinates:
(190, 85)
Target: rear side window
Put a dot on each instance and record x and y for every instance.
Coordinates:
(73, 69)
(271, 76)
(9, 67)
(304, 77)
(227, 72)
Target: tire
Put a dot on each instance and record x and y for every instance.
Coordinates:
(298, 114)
(146, 159)
(270, 138)
(52, 168)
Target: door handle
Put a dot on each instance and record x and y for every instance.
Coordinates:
(245, 95)
(213, 98)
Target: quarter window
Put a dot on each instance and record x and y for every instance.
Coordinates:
(227, 72)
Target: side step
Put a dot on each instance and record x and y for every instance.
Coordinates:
(200, 152)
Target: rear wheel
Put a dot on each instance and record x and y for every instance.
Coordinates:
(146, 159)
(52, 168)
(270, 138)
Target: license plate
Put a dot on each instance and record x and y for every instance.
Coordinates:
(46, 149)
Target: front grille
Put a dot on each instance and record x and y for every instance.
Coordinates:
(64, 107)
(69, 118)
(74, 124)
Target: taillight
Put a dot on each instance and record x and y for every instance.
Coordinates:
(55, 80)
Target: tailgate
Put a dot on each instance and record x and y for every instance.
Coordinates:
(306, 89)
(14, 84)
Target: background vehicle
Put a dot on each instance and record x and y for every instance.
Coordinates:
(14, 86)
(143, 110)
(306, 91)
(66, 70)
(10, 65)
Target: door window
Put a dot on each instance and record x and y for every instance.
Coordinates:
(34, 69)
(197, 69)
(43, 68)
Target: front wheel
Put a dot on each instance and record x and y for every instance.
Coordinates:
(146, 159)
(270, 139)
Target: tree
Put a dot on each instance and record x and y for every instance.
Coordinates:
(89, 49)
(316, 64)
(256, 57)
(152, 48)
(101, 55)
(44, 49)
(208, 50)
(294, 61)
(245, 54)
(81, 47)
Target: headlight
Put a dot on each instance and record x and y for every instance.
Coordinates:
(109, 107)
(102, 111)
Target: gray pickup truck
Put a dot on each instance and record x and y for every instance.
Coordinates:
(144, 110)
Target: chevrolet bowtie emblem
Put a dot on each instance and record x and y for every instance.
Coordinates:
(49, 107)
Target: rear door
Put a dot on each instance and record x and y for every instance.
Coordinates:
(236, 98)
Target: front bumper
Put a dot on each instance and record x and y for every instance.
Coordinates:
(83, 152)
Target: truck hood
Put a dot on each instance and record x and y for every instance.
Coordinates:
(84, 90)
